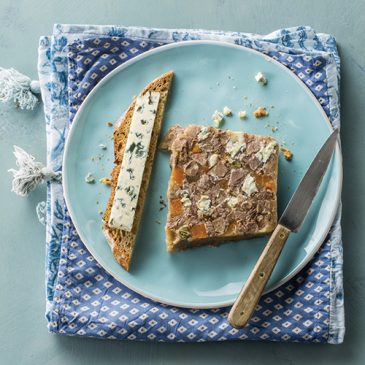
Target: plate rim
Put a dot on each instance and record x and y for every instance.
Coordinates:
(125, 65)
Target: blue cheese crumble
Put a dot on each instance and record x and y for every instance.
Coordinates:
(235, 145)
(266, 151)
(217, 118)
(242, 114)
(203, 134)
(89, 178)
(260, 78)
(204, 203)
(249, 185)
(232, 201)
(227, 111)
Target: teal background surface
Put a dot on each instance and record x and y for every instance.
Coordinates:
(24, 337)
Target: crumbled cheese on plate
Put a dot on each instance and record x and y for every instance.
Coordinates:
(89, 178)
(227, 111)
(260, 78)
(217, 118)
(242, 114)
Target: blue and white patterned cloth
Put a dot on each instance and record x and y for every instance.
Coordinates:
(82, 298)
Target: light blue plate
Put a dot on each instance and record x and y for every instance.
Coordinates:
(208, 76)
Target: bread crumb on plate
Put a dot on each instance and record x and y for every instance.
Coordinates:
(288, 155)
(260, 112)
(106, 181)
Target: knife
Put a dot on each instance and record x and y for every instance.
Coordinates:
(290, 221)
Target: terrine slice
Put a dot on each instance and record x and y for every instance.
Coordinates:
(222, 187)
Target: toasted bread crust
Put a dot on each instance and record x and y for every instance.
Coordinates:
(122, 242)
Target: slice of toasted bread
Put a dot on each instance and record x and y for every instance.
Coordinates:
(123, 242)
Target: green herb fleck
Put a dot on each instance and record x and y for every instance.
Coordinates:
(236, 164)
(184, 233)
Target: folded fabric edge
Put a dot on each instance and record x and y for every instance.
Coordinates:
(337, 311)
(336, 326)
(294, 38)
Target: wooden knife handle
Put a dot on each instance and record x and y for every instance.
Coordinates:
(250, 294)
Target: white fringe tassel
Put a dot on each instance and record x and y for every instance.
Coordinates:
(30, 173)
(19, 88)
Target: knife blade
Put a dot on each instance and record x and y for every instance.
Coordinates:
(299, 204)
(290, 221)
